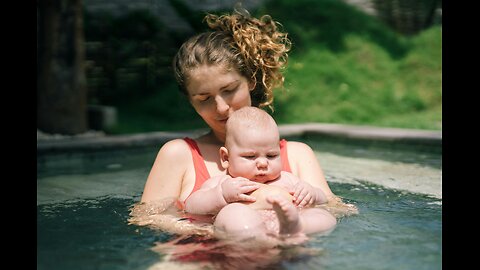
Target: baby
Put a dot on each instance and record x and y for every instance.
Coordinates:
(256, 182)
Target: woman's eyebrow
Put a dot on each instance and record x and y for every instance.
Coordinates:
(221, 88)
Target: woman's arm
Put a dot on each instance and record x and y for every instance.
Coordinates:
(166, 176)
(306, 166)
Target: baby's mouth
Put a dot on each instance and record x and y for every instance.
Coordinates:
(261, 176)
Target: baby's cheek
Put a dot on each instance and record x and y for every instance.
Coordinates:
(276, 166)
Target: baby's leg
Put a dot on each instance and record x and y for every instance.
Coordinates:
(317, 220)
(237, 220)
(287, 213)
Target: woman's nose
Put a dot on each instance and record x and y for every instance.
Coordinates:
(222, 105)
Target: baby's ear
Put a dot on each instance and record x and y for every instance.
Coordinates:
(224, 157)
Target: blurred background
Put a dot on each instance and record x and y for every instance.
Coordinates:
(106, 65)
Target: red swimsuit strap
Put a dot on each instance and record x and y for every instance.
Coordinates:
(201, 172)
(284, 156)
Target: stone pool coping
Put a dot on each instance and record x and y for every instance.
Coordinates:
(105, 142)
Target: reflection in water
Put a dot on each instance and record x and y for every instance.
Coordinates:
(165, 216)
(196, 247)
(207, 252)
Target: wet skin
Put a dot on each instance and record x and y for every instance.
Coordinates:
(267, 190)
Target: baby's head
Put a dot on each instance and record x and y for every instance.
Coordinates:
(252, 148)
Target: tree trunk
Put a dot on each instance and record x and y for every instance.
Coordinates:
(61, 79)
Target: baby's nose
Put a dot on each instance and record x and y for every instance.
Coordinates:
(262, 162)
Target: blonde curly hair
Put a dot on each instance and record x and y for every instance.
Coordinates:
(256, 48)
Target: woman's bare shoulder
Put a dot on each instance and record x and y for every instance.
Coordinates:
(166, 176)
(298, 147)
(299, 155)
(175, 149)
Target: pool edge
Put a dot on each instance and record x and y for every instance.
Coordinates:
(357, 132)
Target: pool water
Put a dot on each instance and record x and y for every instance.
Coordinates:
(82, 217)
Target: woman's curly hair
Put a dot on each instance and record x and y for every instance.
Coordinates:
(255, 47)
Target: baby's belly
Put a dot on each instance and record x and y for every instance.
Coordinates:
(263, 192)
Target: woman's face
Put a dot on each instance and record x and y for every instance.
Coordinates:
(215, 93)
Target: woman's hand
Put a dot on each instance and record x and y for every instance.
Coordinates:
(236, 189)
(305, 195)
(306, 166)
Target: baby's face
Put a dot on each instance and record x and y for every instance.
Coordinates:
(255, 154)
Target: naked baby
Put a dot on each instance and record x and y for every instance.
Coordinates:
(257, 183)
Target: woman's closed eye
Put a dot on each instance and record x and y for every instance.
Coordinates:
(203, 98)
(230, 91)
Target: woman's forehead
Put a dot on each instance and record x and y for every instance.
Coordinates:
(213, 77)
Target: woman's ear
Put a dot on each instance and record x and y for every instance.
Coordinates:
(251, 85)
(224, 157)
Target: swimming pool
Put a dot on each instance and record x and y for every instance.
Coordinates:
(84, 202)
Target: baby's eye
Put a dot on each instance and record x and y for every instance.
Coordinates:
(271, 156)
(249, 156)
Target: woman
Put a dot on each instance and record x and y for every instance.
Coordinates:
(237, 64)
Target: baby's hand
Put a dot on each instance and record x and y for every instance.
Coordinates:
(235, 189)
(304, 194)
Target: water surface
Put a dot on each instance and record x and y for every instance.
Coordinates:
(83, 212)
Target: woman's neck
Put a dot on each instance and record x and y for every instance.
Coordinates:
(213, 137)
(219, 137)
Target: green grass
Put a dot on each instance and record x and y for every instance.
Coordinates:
(344, 67)
(363, 84)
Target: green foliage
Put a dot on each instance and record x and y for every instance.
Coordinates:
(128, 56)
(363, 84)
(192, 17)
(326, 22)
(167, 109)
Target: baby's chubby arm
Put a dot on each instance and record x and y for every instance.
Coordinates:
(303, 193)
(217, 192)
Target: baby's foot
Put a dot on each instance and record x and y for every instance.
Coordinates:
(287, 214)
